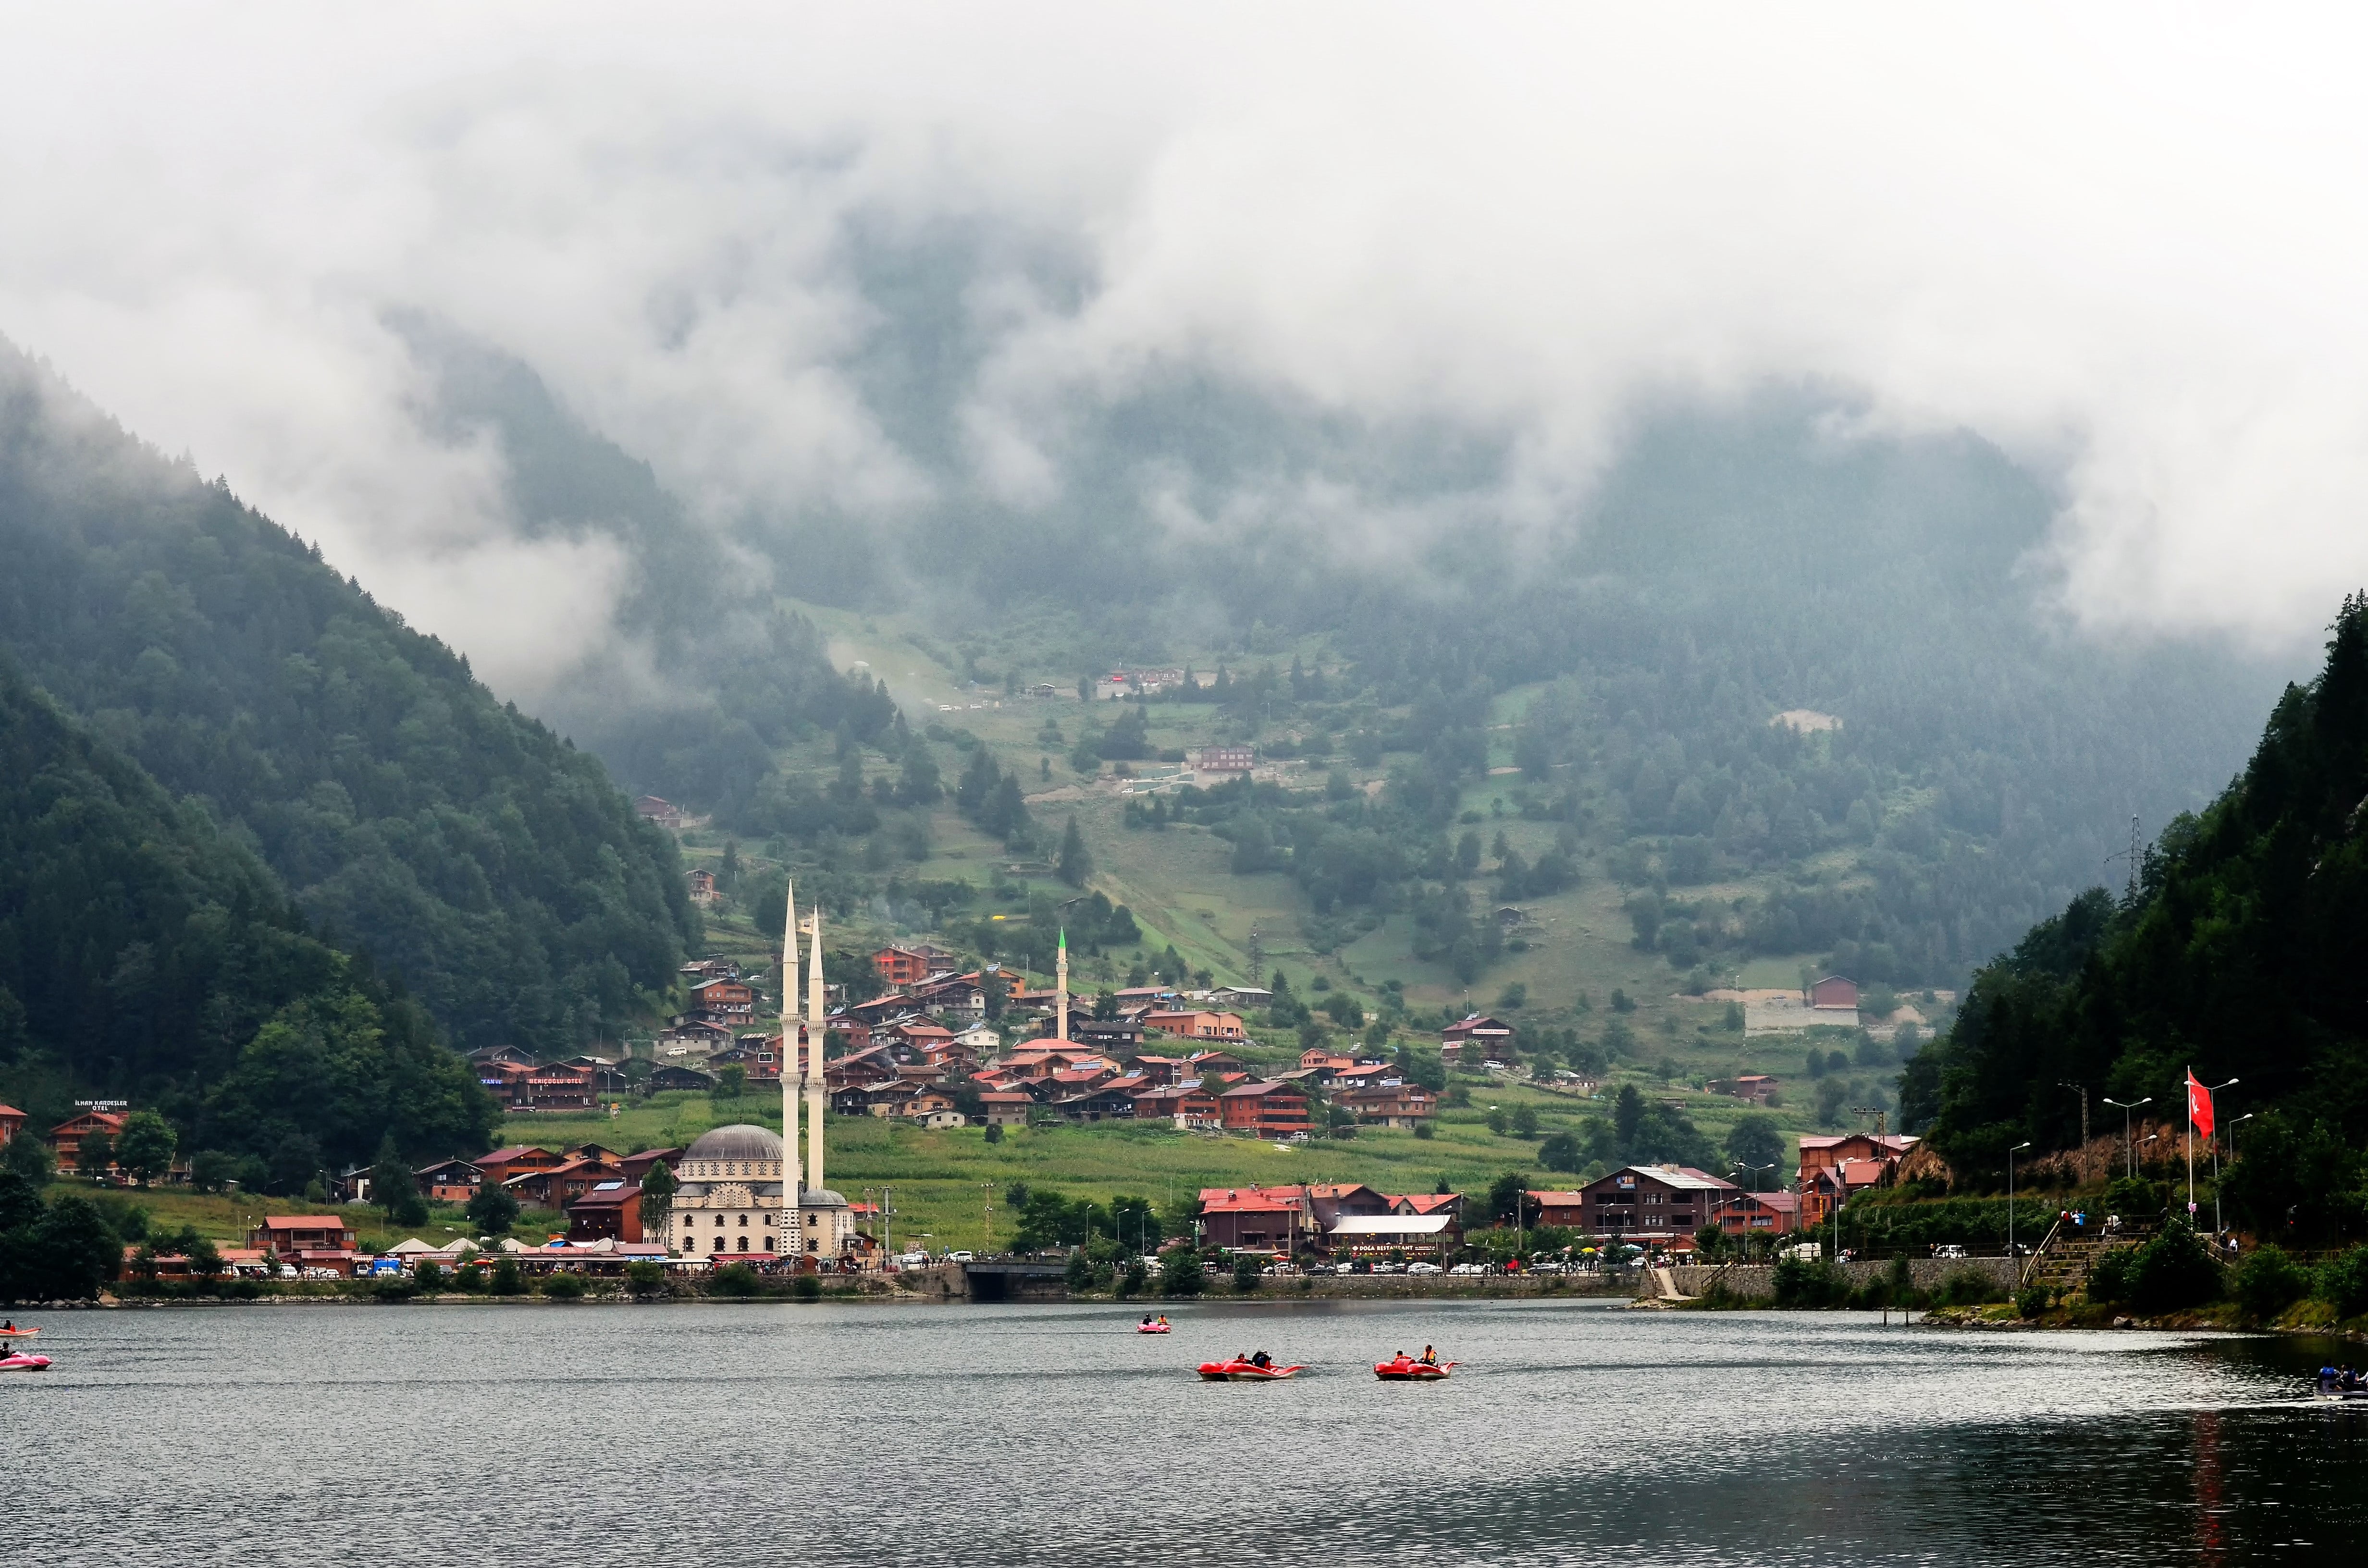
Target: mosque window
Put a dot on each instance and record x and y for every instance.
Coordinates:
(744, 1243)
(744, 1222)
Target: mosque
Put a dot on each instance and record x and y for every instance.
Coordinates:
(738, 1189)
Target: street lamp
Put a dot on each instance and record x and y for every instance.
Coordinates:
(1754, 1172)
(2209, 1090)
(2010, 1201)
(2127, 1106)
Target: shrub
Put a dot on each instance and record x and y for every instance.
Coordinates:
(1968, 1288)
(1079, 1276)
(736, 1280)
(563, 1287)
(2108, 1276)
(2174, 1271)
(2269, 1282)
(1133, 1280)
(806, 1288)
(428, 1276)
(397, 1288)
(1246, 1272)
(2134, 1198)
(508, 1280)
(2343, 1281)
(1806, 1282)
(1423, 1130)
(2031, 1301)
(646, 1276)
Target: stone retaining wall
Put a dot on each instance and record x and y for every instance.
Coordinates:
(1758, 1281)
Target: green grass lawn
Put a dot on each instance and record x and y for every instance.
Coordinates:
(943, 1180)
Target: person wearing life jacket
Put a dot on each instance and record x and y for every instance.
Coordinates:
(2328, 1379)
(1261, 1359)
(1429, 1357)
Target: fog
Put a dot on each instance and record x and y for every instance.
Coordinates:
(835, 271)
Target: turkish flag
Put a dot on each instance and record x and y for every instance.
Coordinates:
(2199, 1104)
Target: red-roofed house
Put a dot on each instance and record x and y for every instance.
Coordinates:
(1391, 1105)
(1200, 1063)
(1476, 1038)
(1190, 1109)
(1007, 1107)
(514, 1159)
(1760, 1214)
(12, 1121)
(289, 1235)
(562, 1185)
(1271, 1110)
(1255, 1218)
(1196, 1026)
(1874, 1157)
(609, 1212)
(67, 1136)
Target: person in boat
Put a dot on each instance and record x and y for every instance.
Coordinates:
(1146, 1320)
(1163, 1320)
(2327, 1376)
(1261, 1359)
(1429, 1357)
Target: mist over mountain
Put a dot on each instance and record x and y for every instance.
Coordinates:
(469, 850)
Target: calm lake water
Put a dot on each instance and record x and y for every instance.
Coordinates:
(786, 1434)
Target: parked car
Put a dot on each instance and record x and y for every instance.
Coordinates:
(912, 1260)
(1389, 1269)
(961, 1258)
(1422, 1268)
(1469, 1269)
(1949, 1249)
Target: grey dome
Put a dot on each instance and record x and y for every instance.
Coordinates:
(821, 1197)
(738, 1142)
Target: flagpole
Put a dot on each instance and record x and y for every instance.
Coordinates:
(2191, 1147)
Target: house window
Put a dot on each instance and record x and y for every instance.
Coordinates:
(744, 1222)
(744, 1243)
(718, 1246)
(719, 1222)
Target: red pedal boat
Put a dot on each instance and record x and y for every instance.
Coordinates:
(1150, 1328)
(1405, 1369)
(1241, 1371)
(24, 1361)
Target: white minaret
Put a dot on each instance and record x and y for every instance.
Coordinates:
(789, 1054)
(1061, 989)
(815, 1085)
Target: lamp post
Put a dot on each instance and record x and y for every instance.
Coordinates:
(2127, 1106)
(2209, 1090)
(2009, 1198)
(1754, 1172)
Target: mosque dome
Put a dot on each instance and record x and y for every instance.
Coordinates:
(738, 1142)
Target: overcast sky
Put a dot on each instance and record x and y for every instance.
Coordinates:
(2126, 243)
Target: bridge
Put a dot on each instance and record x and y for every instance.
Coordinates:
(1004, 1281)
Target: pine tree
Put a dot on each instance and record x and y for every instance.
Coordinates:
(1075, 863)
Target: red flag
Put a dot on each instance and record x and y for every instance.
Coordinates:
(2199, 1104)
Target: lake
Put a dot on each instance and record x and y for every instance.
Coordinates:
(1574, 1432)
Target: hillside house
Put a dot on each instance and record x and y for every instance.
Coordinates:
(911, 964)
(703, 886)
(1758, 1088)
(676, 1075)
(1006, 1108)
(515, 1159)
(12, 1121)
(637, 1166)
(66, 1137)
(1242, 998)
(1835, 991)
(664, 813)
(562, 1185)
(1267, 1110)
(1202, 1063)
(1117, 1035)
(1191, 1110)
(1396, 1105)
(1225, 761)
(1196, 1025)
(1476, 1038)
(448, 1181)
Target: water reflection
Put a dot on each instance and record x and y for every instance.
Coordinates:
(810, 1435)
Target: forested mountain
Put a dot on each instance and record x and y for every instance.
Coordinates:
(463, 847)
(738, 676)
(147, 954)
(2245, 955)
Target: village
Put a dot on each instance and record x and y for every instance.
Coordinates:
(717, 1201)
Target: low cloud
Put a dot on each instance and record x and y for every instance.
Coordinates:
(865, 266)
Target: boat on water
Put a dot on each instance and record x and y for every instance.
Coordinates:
(1150, 1328)
(1407, 1369)
(24, 1361)
(1240, 1371)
